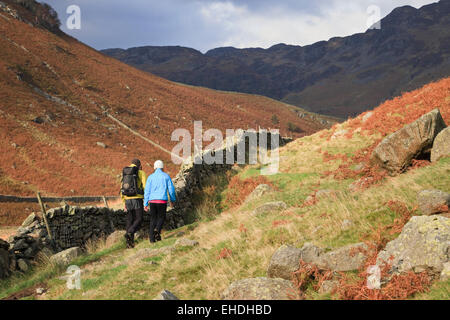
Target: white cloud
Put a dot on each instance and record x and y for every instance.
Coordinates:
(243, 27)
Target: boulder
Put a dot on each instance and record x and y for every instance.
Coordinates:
(433, 201)
(259, 191)
(115, 237)
(396, 152)
(183, 242)
(166, 295)
(66, 256)
(441, 145)
(423, 245)
(310, 253)
(284, 262)
(347, 258)
(270, 206)
(260, 289)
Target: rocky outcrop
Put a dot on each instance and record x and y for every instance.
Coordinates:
(347, 258)
(66, 256)
(166, 295)
(423, 245)
(260, 289)
(183, 242)
(269, 207)
(286, 260)
(441, 145)
(396, 151)
(433, 201)
(259, 191)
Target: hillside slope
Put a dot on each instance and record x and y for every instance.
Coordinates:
(340, 77)
(238, 244)
(55, 97)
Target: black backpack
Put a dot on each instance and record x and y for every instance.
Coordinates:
(130, 182)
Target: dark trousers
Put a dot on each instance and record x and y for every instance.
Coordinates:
(157, 218)
(135, 214)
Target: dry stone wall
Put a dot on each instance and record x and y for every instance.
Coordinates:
(74, 226)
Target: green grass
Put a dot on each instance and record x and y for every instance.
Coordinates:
(41, 274)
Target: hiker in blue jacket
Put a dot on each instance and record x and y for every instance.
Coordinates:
(155, 198)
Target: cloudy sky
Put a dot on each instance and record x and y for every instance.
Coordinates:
(207, 24)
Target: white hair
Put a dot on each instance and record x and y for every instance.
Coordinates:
(158, 165)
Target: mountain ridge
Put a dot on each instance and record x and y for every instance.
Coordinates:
(342, 77)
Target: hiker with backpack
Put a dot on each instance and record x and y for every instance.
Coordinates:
(155, 199)
(132, 194)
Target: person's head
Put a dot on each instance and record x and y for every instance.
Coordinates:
(158, 165)
(137, 163)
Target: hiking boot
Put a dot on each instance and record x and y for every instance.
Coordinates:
(157, 236)
(129, 240)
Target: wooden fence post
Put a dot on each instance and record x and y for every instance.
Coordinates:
(44, 214)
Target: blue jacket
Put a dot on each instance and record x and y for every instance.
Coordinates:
(157, 186)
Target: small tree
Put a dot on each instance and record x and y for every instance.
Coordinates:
(294, 128)
(275, 119)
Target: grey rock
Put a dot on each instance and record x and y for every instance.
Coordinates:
(441, 145)
(270, 206)
(433, 201)
(284, 262)
(183, 242)
(259, 191)
(101, 144)
(260, 289)
(396, 151)
(348, 258)
(310, 253)
(115, 237)
(40, 291)
(22, 265)
(166, 295)
(66, 256)
(423, 245)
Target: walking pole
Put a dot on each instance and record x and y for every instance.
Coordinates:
(44, 214)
